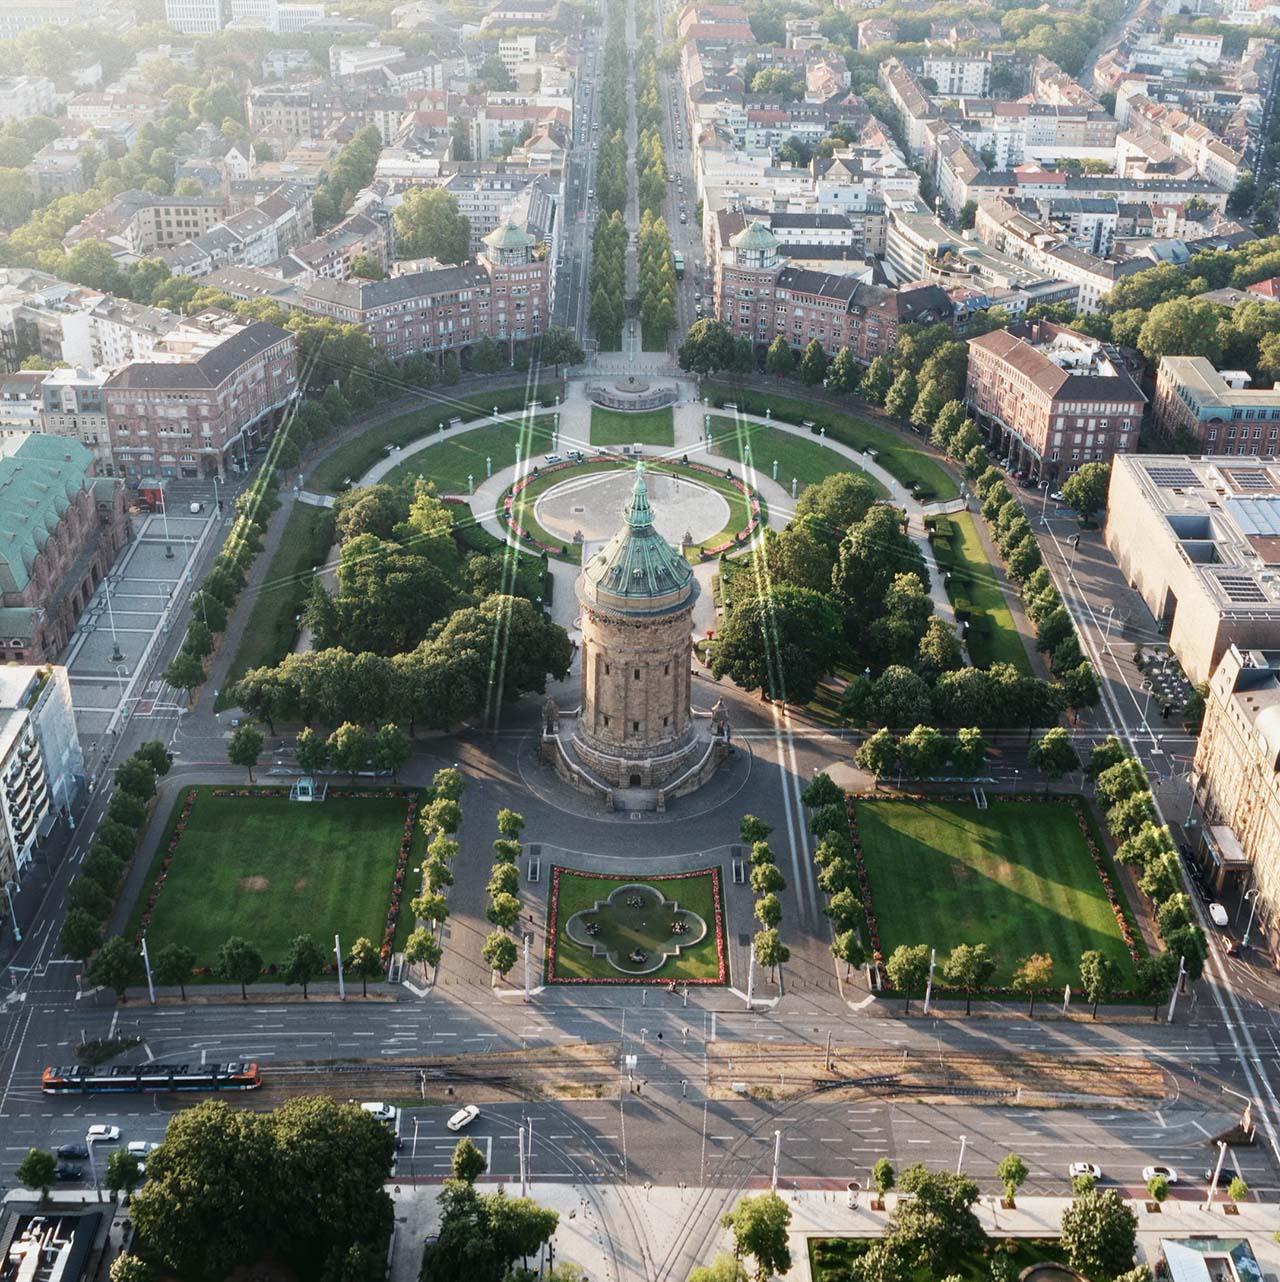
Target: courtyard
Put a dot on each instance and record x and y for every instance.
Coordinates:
(257, 865)
(1017, 876)
(617, 929)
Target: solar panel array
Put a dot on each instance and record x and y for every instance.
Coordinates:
(1172, 476)
(1251, 479)
(1241, 589)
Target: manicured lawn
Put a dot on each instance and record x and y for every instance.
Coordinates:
(463, 454)
(355, 457)
(704, 962)
(271, 630)
(911, 464)
(269, 869)
(739, 507)
(648, 427)
(804, 461)
(992, 636)
(1016, 876)
(831, 1258)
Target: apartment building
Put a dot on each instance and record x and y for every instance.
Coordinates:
(17, 16)
(1052, 398)
(1236, 782)
(201, 402)
(60, 531)
(72, 405)
(908, 94)
(759, 296)
(196, 17)
(1199, 538)
(955, 76)
(23, 96)
(1217, 409)
(140, 223)
(503, 296)
(1196, 143)
(105, 110)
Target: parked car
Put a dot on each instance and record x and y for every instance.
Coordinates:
(78, 1151)
(1166, 1173)
(69, 1171)
(1085, 1168)
(101, 1133)
(1218, 915)
(463, 1118)
(140, 1148)
(1225, 1176)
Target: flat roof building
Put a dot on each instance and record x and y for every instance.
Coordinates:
(1216, 408)
(1199, 539)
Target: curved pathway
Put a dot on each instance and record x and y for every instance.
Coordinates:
(575, 433)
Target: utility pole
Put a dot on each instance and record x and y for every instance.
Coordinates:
(928, 988)
(964, 1139)
(524, 1181)
(146, 962)
(751, 977)
(337, 952)
(526, 966)
(777, 1155)
(828, 1052)
(1217, 1171)
(1177, 984)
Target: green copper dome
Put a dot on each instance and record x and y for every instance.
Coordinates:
(508, 236)
(754, 236)
(637, 571)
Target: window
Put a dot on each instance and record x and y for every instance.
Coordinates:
(636, 673)
(607, 669)
(666, 669)
(635, 727)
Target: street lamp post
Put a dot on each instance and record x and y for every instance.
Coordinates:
(164, 514)
(1106, 636)
(146, 963)
(964, 1139)
(1252, 895)
(1071, 564)
(13, 917)
(116, 655)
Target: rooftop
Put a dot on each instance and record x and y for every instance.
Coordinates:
(40, 477)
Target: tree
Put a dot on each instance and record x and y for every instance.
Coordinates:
(968, 752)
(1012, 1173)
(499, 951)
(154, 753)
(968, 966)
(1099, 1234)
(310, 751)
(1238, 1190)
(365, 961)
(844, 908)
(928, 406)
(185, 672)
(1182, 327)
(1158, 1189)
(239, 962)
(781, 641)
(882, 1177)
(907, 967)
(306, 960)
(923, 751)
(390, 749)
(1034, 974)
(759, 1226)
(560, 346)
(504, 911)
(844, 373)
(468, 1162)
(724, 1268)
(779, 359)
(173, 964)
(707, 349)
(769, 950)
(123, 1172)
(1098, 977)
(753, 830)
(877, 380)
(901, 396)
(89, 895)
(510, 823)
(423, 948)
(115, 965)
(847, 947)
(768, 911)
(1053, 754)
(443, 815)
(813, 364)
(244, 748)
(1156, 976)
(37, 1170)
(878, 754)
(428, 225)
(1086, 488)
(349, 748)
(939, 649)
(367, 267)
(137, 778)
(81, 934)
(130, 1268)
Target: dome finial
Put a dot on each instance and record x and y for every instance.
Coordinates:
(637, 511)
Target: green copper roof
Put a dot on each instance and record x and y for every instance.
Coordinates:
(637, 565)
(754, 236)
(39, 479)
(508, 236)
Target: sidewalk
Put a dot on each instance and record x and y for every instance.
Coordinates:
(673, 1221)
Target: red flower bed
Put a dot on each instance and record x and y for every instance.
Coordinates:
(553, 921)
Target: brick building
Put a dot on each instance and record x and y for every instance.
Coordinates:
(1053, 398)
(758, 296)
(200, 403)
(1217, 408)
(60, 531)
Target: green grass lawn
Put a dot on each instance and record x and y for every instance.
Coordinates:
(647, 427)
(992, 636)
(739, 506)
(912, 465)
(1016, 876)
(463, 454)
(831, 1258)
(268, 869)
(355, 457)
(271, 630)
(804, 461)
(577, 891)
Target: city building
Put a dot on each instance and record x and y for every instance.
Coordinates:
(957, 77)
(1217, 409)
(196, 17)
(40, 697)
(20, 400)
(17, 16)
(23, 96)
(1236, 781)
(60, 531)
(72, 405)
(201, 402)
(1052, 398)
(1199, 538)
